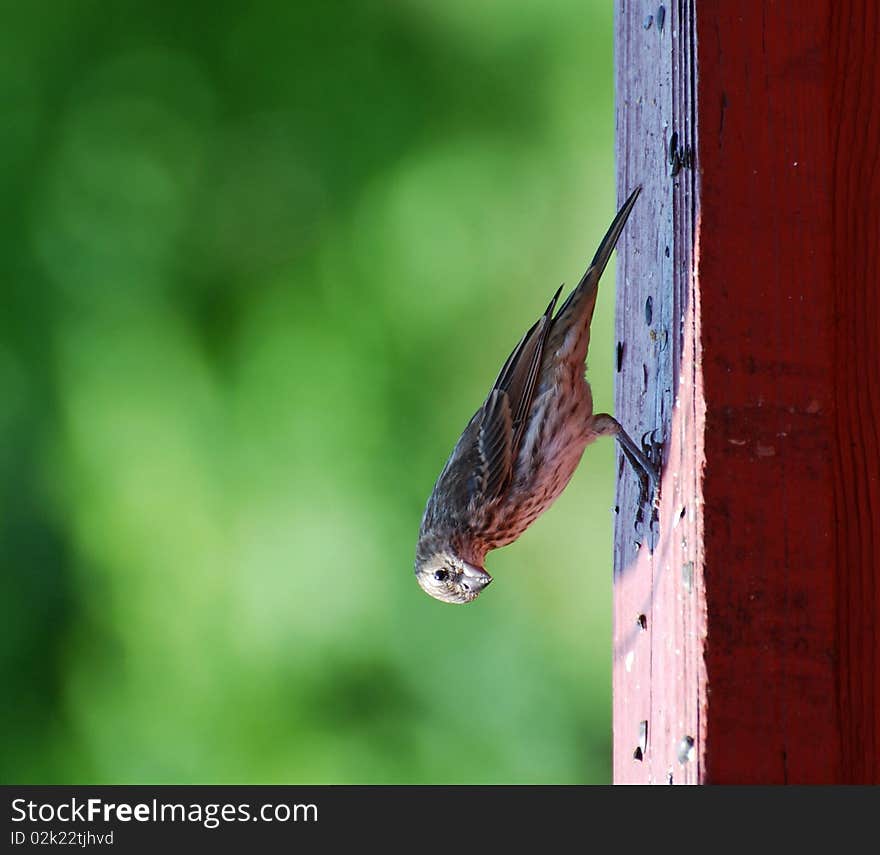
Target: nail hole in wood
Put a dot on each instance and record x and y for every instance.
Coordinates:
(686, 750)
(643, 736)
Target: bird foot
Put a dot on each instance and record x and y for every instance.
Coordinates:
(646, 465)
(645, 462)
(652, 449)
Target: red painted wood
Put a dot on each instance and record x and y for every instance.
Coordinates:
(855, 222)
(761, 643)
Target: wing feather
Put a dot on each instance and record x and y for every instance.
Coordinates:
(505, 412)
(494, 444)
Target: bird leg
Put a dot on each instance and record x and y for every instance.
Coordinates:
(646, 470)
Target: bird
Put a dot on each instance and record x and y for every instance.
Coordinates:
(522, 446)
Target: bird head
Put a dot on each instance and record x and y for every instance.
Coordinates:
(447, 577)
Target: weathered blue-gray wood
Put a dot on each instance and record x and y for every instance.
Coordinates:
(657, 635)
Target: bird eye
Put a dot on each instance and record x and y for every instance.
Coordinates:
(441, 575)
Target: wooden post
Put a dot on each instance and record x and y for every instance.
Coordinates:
(747, 647)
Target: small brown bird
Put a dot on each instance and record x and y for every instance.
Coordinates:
(522, 446)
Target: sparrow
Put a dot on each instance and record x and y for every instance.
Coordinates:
(522, 446)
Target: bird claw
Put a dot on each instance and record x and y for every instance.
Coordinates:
(652, 448)
(647, 469)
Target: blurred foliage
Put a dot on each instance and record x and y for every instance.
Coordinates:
(260, 264)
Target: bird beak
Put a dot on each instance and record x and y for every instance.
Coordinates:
(474, 578)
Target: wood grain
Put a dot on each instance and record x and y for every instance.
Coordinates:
(855, 284)
(658, 662)
(755, 132)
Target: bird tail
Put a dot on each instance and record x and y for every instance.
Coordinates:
(579, 305)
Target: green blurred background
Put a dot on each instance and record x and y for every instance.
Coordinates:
(261, 263)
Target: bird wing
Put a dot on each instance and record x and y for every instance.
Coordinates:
(506, 409)
(495, 447)
(481, 465)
